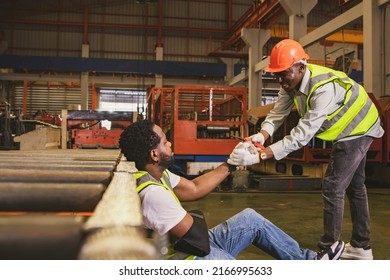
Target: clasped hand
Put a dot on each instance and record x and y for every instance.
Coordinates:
(245, 153)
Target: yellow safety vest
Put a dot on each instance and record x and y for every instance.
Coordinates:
(144, 179)
(354, 117)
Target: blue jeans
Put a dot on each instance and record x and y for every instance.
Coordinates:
(346, 175)
(228, 239)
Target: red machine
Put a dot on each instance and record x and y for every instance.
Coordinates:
(200, 120)
(86, 129)
(47, 118)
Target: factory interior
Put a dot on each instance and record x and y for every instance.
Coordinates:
(75, 74)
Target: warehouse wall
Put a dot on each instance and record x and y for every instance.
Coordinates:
(49, 98)
(127, 31)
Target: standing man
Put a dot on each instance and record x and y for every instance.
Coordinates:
(332, 107)
(161, 192)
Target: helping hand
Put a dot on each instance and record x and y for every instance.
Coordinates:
(245, 153)
(240, 145)
(258, 137)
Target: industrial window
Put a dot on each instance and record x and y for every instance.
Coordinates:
(131, 100)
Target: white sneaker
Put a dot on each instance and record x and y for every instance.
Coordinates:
(352, 253)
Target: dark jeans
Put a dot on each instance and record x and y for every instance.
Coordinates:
(346, 174)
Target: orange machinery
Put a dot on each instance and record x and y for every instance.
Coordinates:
(86, 130)
(200, 120)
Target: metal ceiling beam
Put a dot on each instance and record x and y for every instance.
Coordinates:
(332, 26)
(251, 19)
(383, 2)
(114, 25)
(107, 80)
(346, 35)
(80, 64)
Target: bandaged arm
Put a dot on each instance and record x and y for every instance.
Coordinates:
(195, 240)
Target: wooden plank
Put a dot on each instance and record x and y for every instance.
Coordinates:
(115, 230)
(120, 205)
(118, 243)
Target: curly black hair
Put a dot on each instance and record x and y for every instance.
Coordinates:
(136, 142)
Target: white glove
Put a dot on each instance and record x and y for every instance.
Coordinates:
(258, 137)
(244, 154)
(241, 145)
(237, 147)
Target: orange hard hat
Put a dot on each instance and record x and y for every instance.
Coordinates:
(284, 55)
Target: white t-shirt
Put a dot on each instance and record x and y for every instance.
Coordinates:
(160, 210)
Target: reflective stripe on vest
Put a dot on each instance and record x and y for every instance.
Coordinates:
(144, 179)
(354, 117)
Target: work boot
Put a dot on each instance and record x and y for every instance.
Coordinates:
(331, 253)
(354, 253)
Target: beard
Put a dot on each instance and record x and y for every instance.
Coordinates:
(166, 160)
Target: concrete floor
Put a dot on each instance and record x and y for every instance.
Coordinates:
(299, 214)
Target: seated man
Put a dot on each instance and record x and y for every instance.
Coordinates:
(161, 192)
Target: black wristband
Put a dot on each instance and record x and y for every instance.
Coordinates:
(231, 166)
